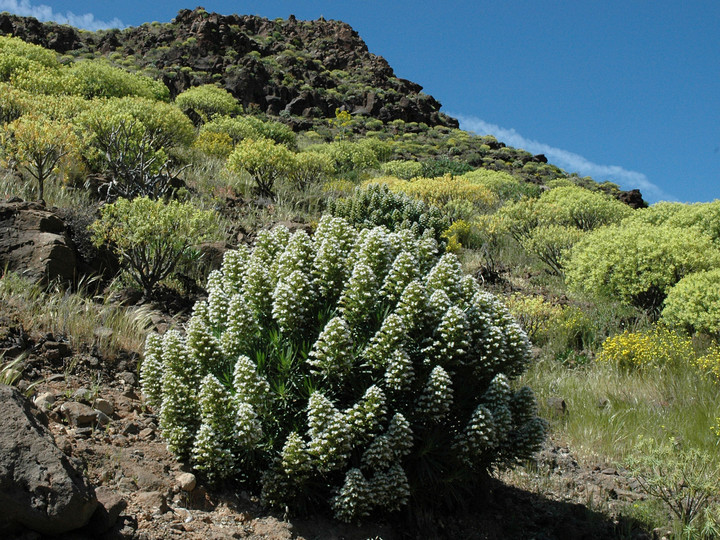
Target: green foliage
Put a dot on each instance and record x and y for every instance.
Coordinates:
(348, 156)
(363, 369)
(405, 170)
(162, 124)
(703, 217)
(375, 205)
(505, 186)
(16, 47)
(457, 235)
(685, 479)
(128, 138)
(694, 303)
(39, 146)
(310, 167)
(250, 127)
(550, 243)
(437, 168)
(637, 263)
(97, 78)
(207, 101)
(264, 160)
(445, 192)
(566, 206)
(218, 145)
(581, 208)
(152, 237)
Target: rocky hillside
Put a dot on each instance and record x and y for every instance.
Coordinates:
(290, 68)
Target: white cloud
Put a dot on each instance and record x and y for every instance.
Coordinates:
(45, 13)
(568, 161)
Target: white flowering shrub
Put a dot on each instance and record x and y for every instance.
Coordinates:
(356, 370)
(375, 204)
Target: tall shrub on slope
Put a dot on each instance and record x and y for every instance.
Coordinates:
(359, 371)
(638, 263)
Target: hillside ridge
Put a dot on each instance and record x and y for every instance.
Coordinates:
(285, 67)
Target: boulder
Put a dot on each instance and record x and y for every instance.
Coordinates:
(40, 487)
(34, 243)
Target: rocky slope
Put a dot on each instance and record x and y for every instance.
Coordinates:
(282, 67)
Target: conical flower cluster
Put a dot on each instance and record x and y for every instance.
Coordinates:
(330, 366)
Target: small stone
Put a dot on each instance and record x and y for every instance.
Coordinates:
(104, 406)
(78, 414)
(127, 484)
(610, 471)
(127, 378)
(102, 418)
(83, 432)
(146, 434)
(120, 440)
(131, 429)
(557, 406)
(63, 443)
(187, 482)
(152, 501)
(107, 512)
(56, 349)
(44, 401)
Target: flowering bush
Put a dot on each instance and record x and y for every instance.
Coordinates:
(653, 348)
(709, 363)
(347, 370)
(375, 205)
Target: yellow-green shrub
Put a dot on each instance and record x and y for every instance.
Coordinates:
(704, 217)
(440, 191)
(214, 144)
(207, 101)
(404, 170)
(12, 46)
(694, 303)
(550, 243)
(310, 167)
(97, 78)
(505, 186)
(578, 207)
(264, 160)
(250, 127)
(637, 263)
(535, 314)
(38, 145)
(348, 155)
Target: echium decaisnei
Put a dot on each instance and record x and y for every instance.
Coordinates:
(348, 369)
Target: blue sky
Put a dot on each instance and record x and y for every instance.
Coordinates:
(623, 91)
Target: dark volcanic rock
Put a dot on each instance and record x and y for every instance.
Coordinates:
(40, 489)
(34, 243)
(266, 64)
(632, 198)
